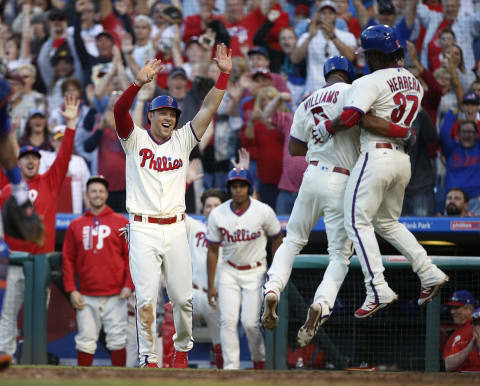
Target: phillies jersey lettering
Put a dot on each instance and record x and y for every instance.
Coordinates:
(326, 103)
(240, 235)
(159, 164)
(383, 94)
(227, 227)
(156, 172)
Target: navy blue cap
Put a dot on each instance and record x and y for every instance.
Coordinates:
(29, 150)
(472, 98)
(460, 298)
(259, 50)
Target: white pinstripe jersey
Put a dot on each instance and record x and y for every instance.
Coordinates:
(342, 149)
(156, 172)
(243, 236)
(392, 94)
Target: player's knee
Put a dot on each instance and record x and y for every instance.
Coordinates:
(228, 324)
(250, 325)
(185, 304)
(146, 315)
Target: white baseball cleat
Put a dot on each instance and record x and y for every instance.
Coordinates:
(369, 308)
(310, 328)
(269, 317)
(428, 293)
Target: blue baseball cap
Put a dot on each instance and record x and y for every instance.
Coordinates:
(259, 50)
(461, 298)
(29, 150)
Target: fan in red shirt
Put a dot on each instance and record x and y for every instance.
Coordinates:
(196, 25)
(95, 252)
(242, 28)
(44, 188)
(462, 351)
(43, 191)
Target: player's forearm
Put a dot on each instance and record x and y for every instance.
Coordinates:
(210, 105)
(297, 147)
(452, 362)
(276, 242)
(382, 127)
(212, 259)
(347, 51)
(8, 151)
(123, 120)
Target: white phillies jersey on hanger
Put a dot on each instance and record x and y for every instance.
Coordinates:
(156, 172)
(341, 149)
(393, 94)
(243, 236)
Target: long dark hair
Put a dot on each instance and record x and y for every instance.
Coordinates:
(27, 132)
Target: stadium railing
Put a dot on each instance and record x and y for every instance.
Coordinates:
(403, 336)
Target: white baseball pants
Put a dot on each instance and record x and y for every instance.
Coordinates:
(373, 202)
(240, 290)
(12, 302)
(201, 309)
(321, 194)
(155, 249)
(109, 311)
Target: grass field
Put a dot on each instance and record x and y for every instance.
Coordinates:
(108, 376)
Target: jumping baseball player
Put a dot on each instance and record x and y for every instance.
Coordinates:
(375, 190)
(43, 193)
(8, 160)
(157, 161)
(197, 239)
(241, 225)
(95, 253)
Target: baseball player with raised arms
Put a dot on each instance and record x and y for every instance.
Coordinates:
(197, 239)
(156, 165)
(330, 160)
(241, 225)
(375, 190)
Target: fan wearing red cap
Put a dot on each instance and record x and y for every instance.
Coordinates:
(462, 350)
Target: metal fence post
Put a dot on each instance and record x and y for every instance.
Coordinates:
(432, 336)
(281, 332)
(42, 279)
(28, 333)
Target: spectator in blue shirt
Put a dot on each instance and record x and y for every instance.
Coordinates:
(462, 160)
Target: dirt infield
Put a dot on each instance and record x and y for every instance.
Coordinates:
(53, 375)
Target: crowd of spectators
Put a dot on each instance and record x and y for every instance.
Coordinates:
(92, 49)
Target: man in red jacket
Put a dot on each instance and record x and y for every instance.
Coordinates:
(95, 252)
(43, 191)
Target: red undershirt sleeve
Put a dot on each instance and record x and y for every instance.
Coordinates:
(350, 117)
(123, 120)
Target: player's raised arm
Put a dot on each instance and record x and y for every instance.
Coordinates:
(210, 104)
(123, 120)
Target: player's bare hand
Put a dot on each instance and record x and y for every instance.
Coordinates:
(148, 72)
(193, 171)
(76, 299)
(71, 103)
(125, 293)
(212, 297)
(243, 159)
(223, 58)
